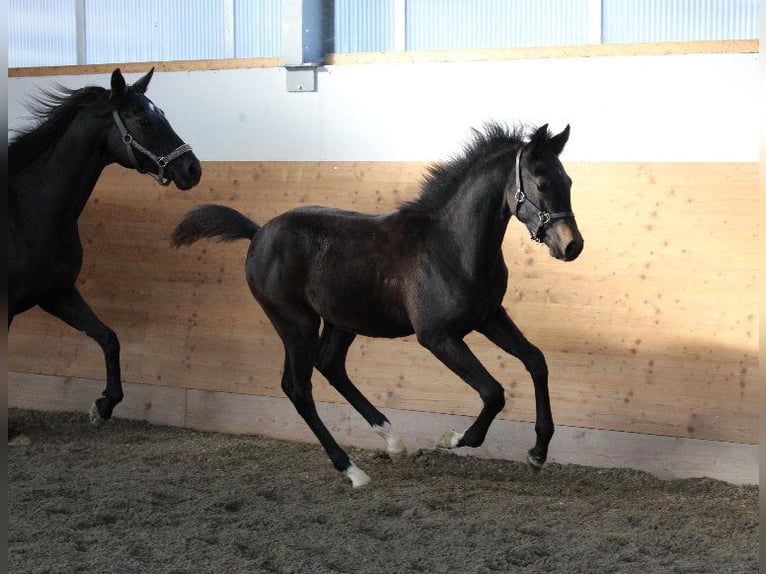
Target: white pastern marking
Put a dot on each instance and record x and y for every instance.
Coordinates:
(450, 439)
(94, 416)
(20, 440)
(395, 444)
(356, 475)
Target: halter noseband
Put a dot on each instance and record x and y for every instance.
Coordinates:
(544, 218)
(161, 162)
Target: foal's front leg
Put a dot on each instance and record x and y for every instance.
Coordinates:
(71, 308)
(456, 355)
(501, 330)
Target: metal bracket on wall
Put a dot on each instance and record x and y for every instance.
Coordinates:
(302, 78)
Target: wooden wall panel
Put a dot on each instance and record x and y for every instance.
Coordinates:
(654, 329)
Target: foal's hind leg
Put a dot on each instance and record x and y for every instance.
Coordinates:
(331, 362)
(300, 349)
(501, 330)
(71, 308)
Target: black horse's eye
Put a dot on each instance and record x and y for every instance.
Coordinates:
(543, 187)
(143, 121)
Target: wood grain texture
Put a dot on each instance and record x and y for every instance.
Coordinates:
(653, 330)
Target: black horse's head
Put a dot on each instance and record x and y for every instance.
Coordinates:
(540, 195)
(143, 139)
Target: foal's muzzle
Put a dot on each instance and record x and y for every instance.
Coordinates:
(564, 240)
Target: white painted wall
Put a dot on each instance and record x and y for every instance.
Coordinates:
(700, 107)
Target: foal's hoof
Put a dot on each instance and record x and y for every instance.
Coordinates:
(357, 476)
(19, 440)
(95, 416)
(450, 439)
(535, 463)
(396, 450)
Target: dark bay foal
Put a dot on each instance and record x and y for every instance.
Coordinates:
(433, 267)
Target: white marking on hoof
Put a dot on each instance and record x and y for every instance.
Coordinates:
(450, 439)
(20, 440)
(534, 464)
(395, 446)
(356, 475)
(95, 416)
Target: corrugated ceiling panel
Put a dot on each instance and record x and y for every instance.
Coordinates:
(153, 30)
(42, 33)
(364, 26)
(257, 28)
(472, 24)
(678, 20)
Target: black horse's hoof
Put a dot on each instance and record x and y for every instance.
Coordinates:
(100, 411)
(534, 462)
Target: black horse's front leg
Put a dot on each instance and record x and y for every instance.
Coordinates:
(501, 330)
(456, 355)
(71, 308)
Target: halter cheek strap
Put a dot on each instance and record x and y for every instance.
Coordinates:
(544, 217)
(161, 162)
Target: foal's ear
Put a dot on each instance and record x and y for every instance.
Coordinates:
(557, 142)
(141, 85)
(118, 84)
(540, 135)
(537, 140)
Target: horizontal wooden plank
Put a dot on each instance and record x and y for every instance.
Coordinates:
(410, 56)
(542, 52)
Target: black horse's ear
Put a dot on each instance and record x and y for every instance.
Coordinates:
(556, 143)
(143, 83)
(538, 138)
(118, 84)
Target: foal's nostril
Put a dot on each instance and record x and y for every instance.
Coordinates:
(573, 249)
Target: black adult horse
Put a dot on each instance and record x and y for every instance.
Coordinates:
(434, 267)
(53, 168)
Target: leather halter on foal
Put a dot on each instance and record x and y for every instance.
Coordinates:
(544, 218)
(161, 162)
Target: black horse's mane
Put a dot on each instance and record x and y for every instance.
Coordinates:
(54, 110)
(443, 179)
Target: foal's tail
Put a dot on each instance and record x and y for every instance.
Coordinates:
(213, 221)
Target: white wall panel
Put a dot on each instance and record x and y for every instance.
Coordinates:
(640, 108)
(257, 28)
(42, 33)
(363, 26)
(678, 20)
(460, 25)
(157, 31)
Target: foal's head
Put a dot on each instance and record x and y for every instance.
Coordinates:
(142, 138)
(539, 194)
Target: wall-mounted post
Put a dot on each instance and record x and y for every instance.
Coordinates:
(302, 46)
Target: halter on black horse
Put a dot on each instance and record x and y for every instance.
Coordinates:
(161, 162)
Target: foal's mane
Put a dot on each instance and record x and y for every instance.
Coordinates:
(442, 180)
(54, 110)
